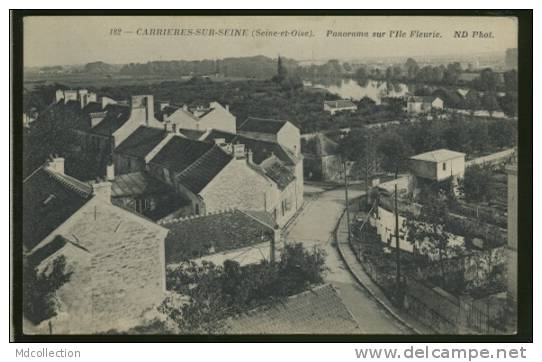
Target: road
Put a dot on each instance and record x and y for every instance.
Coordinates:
(314, 226)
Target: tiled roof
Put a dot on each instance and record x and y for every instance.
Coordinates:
(191, 237)
(137, 184)
(316, 311)
(115, 117)
(438, 155)
(279, 173)
(198, 175)
(180, 152)
(262, 150)
(341, 103)
(142, 141)
(262, 125)
(49, 200)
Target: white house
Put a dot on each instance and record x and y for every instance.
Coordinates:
(200, 118)
(438, 165)
(424, 104)
(339, 106)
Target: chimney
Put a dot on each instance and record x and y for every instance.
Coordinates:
(185, 108)
(220, 141)
(239, 151)
(227, 107)
(145, 104)
(102, 189)
(174, 127)
(249, 154)
(110, 171)
(57, 164)
(163, 105)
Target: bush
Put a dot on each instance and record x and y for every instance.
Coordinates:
(217, 292)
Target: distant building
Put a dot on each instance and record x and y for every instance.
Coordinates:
(319, 310)
(511, 58)
(339, 106)
(424, 104)
(200, 118)
(438, 165)
(321, 159)
(115, 257)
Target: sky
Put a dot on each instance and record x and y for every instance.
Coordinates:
(70, 40)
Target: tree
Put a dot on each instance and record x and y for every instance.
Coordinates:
(473, 102)
(490, 103)
(488, 80)
(511, 80)
(394, 152)
(477, 184)
(509, 104)
(412, 68)
(427, 232)
(39, 288)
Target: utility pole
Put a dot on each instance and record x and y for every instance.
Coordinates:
(347, 202)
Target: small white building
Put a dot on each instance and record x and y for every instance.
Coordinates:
(425, 104)
(438, 165)
(339, 106)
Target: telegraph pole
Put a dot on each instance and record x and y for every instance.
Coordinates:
(347, 202)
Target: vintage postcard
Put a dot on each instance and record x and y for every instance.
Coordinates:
(267, 175)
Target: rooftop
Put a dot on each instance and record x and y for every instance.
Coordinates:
(438, 155)
(142, 141)
(341, 103)
(115, 117)
(198, 175)
(316, 311)
(49, 200)
(193, 237)
(180, 152)
(262, 125)
(424, 99)
(136, 184)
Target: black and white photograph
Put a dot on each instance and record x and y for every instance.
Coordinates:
(264, 175)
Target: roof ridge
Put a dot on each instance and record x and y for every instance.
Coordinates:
(82, 188)
(197, 162)
(193, 217)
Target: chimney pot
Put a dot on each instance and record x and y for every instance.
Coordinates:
(56, 164)
(102, 189)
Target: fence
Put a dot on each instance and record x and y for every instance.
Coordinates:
(436, 308)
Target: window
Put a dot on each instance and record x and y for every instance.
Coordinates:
(444, 166)
(197, 209)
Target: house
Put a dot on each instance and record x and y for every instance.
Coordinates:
(99, 125)
(424, 104)
(339, 106)
(200, 118)
(115, 257)
(463, 93)
(284, 133)
(276, 162)
(366, 102)
(321, 159)
(148, 196)
(319, 310)
(438, 165)
(198, 236)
